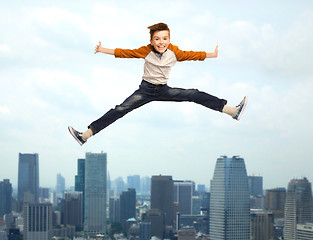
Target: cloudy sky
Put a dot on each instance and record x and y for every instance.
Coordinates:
(50, 78)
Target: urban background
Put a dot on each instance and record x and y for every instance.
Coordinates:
(50, 78)
(232, 206)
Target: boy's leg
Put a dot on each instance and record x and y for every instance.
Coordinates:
(193, 95)
(136, 100)
(205, 99)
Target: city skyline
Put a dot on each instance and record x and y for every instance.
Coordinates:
(125, 179)
(51, 78)
(228, 204)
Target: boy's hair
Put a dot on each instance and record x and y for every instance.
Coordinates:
(157, 27)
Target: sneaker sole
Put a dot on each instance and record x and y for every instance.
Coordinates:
(243, 108)
(70, 129)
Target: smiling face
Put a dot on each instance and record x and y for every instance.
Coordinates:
(160, 40)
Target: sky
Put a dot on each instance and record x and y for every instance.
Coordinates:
(50, 78)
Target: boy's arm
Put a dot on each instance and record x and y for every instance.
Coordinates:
(192, 55)
(213, 54)
(125, 53)
(101, 49)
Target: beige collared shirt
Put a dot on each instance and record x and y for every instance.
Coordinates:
(157, 67)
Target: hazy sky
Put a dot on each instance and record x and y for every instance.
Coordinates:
(50, 78)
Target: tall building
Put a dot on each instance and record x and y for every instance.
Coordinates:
(156, 218)
(3, 235)
(196, 205)
(262, 225)
(183, 192)
(127, 206)
(275, 201)
(298, 207)
(28, 178)
(305, 231)
(134, 182)
(44, 193)
(201, 188)
(114, 209)
(72, 209)
(162, 192)
(145, 231)
(80, 177)
(5, 197)
(255, 185)
(109, 187)
(119, 185)
(37, 221)
(60, 187)
(80, 182)
(95, 192)
(230, 200)
(145, 183)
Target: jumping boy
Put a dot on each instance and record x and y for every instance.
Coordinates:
(160, 55)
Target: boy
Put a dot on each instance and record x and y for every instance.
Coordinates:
(160, 55)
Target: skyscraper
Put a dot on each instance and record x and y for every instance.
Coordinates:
(275, 201)
(156, 218)
(298, 207)
(28, 178)
(162, 188)
(119, 185)
(127, 206)
(262, 225)
(145, 231)
(60, 187)
(72, 209)
(114, 209)
(255, 185)
(183, 192)
(37, 221)
(145, 183)
(305, 231)
(80, 177)
(134, 182)
(80, 182)
(201, 188)
(95, 192)
(5, 197)
(230, 201)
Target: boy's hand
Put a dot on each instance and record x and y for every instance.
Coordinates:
(213, 54)
(98, 48)
(101, 49)
(216, 51)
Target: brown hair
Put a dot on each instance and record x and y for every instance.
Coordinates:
(157, 27)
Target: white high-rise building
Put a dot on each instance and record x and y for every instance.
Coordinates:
(95, 192)
(37, 221)
(298, 207)
(230, 201)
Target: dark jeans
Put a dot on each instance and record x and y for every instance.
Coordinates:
(148, 92)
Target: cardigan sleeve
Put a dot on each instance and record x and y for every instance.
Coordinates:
(141, 52)
(187, 55)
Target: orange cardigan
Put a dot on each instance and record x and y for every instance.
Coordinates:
(157, 67)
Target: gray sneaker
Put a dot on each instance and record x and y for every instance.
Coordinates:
(77, 135)
(241, 107)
